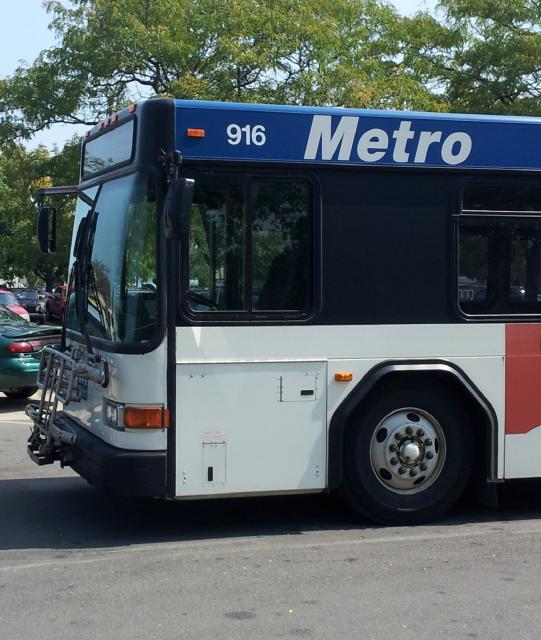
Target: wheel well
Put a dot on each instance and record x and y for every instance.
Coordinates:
(390, 375)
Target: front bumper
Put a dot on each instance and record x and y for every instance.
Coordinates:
(122, 472)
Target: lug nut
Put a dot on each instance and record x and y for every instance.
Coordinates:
(409, 431)
(428, 442)
(401, 471)
(394, 461)
(392, 447)
(420, 433)
(423, 466)
(398, 436)
(413, 473)
(429, 455)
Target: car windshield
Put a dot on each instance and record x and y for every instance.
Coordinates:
(122, 281)
(27, 296)
(6, 297)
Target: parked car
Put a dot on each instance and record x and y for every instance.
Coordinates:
(9, 300)
(30, 300)
(55, 304)
(21, 343)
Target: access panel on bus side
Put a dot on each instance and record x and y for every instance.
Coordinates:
(250, 427)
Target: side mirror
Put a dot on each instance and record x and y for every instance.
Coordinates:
(47, 229)
(178, 208)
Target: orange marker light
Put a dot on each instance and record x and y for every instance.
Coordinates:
(146, 418)
(195, 133)
(343, 376)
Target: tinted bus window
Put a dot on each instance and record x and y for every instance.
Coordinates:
(500, 266)
(502, 197)
(250, 245)
(108, 150)
(281, 245)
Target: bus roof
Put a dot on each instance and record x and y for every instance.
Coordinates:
(291, 134)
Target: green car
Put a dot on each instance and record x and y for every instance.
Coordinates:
(21, 343)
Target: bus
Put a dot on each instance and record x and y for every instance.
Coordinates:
(271, 300)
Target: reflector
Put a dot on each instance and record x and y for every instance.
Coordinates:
(195, 133)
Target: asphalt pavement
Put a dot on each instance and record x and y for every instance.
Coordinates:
(75, 563)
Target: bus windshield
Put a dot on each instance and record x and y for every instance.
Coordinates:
(122, 280)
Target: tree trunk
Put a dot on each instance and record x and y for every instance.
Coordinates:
(49, 282)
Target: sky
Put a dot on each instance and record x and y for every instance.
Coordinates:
(26, 33)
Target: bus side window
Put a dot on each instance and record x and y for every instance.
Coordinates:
(250, 245)
(217, 245)
(281, 246)
(499, 258)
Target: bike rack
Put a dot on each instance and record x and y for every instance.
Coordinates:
(59, 376)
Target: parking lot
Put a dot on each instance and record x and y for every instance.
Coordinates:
(77, 563)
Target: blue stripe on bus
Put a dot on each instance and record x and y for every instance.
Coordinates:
(268, 133)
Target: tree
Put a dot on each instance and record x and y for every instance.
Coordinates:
(493, 63)
(342, 52)
(22, 172)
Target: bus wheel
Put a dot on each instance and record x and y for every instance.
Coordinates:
(409, 454)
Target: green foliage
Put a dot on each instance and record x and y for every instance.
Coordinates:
(495, 63)
(342, 52)
(475, 55)
(22, 172)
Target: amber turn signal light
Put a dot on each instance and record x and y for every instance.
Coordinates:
(343, 376)
(146, 418)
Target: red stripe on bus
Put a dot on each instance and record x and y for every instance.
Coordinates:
(522, 377)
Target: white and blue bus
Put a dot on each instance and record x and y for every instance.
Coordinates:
(272, 300)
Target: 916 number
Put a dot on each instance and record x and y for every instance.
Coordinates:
(248, 135)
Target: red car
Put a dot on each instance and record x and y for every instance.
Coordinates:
(55, 305)
(10, 301)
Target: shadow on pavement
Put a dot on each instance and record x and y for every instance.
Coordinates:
(9, 405)
(67, 513)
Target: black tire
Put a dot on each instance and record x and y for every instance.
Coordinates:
(375, 494)
(21, 392)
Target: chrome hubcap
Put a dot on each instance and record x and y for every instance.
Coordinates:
(410, 453)
(407, 451)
